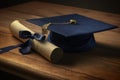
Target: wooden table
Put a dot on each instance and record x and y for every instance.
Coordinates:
(101, 63)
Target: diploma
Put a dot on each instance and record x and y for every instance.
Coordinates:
(48, 50)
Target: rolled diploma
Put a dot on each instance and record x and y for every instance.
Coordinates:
(46, 49)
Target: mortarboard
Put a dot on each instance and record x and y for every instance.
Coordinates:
(73, 37)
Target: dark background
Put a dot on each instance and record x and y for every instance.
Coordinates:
(112, 6)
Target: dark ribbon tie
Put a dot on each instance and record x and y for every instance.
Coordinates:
(25, 47)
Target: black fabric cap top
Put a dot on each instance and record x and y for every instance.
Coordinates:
(73, 37)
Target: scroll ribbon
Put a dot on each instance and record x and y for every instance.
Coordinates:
(25, 47)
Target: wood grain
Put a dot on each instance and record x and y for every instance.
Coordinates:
(101, 63)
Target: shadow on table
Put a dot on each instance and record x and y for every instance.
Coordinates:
(8, 76)
(101, 50)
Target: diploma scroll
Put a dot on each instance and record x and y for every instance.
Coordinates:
(46, 49)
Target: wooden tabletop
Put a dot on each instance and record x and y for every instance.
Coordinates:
(101, 63)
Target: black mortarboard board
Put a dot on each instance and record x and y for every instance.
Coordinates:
(73, 37)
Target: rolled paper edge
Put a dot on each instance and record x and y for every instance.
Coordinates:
(55, 54)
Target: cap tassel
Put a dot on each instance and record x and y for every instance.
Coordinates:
(45, 26)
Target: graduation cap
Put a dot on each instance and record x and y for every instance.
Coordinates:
(73, 32)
